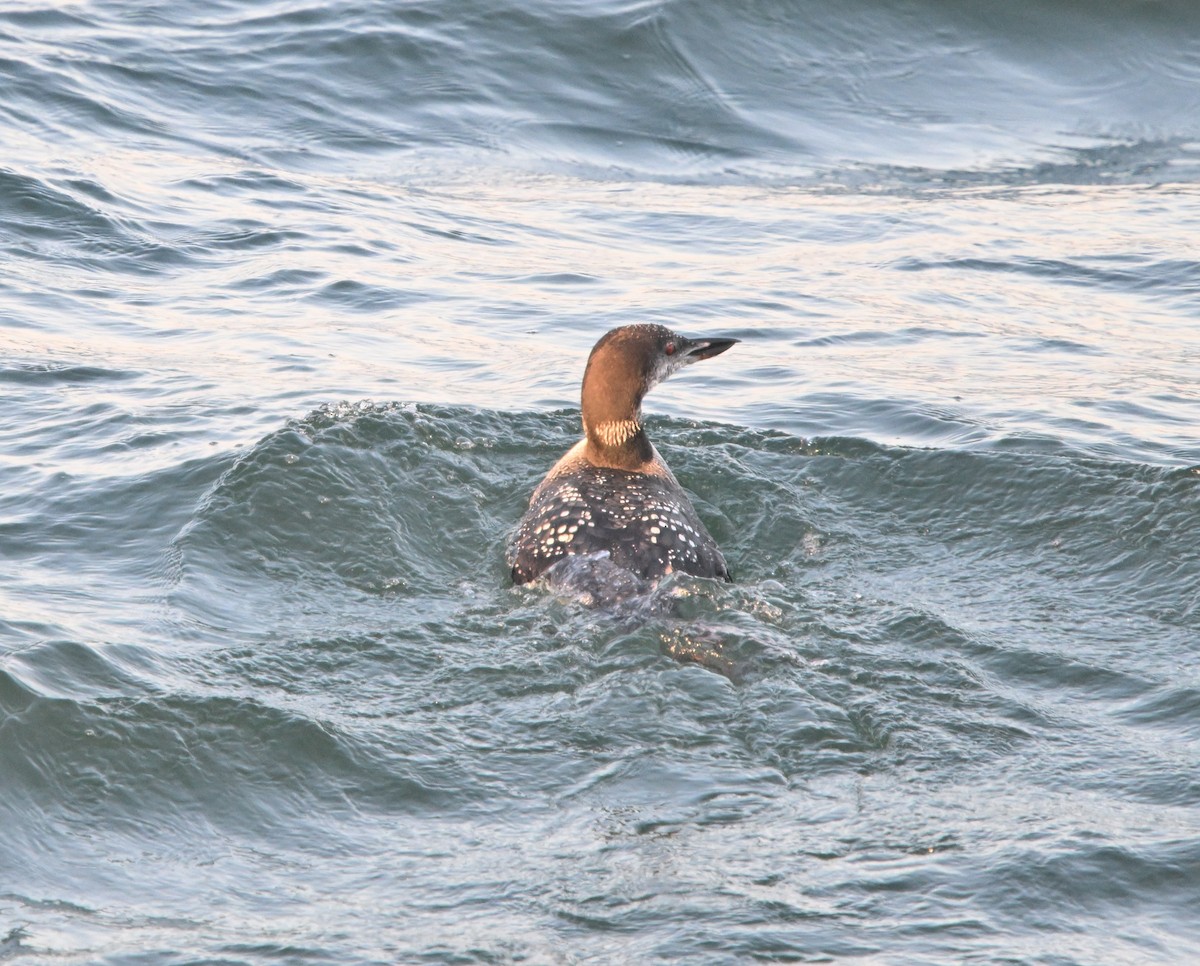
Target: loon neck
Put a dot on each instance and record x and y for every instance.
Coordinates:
(614, 383)
(623, 366)
(621, 444)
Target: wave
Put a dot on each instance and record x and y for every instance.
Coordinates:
(663, 89)
(411, 502)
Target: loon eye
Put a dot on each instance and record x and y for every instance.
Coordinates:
(669, 348)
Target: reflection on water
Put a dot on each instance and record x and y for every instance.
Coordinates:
(962, 315)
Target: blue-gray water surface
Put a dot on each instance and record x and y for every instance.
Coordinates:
(294, 303)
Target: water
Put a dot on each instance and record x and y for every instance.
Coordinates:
(294, 304)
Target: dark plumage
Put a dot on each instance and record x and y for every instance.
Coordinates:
(611, 496)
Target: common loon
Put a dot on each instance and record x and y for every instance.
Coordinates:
(610, 505)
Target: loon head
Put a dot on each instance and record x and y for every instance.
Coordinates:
(624, 365)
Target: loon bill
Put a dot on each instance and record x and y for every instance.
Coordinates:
(611, 496)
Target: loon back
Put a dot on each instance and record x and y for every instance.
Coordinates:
(644, 523)
(612, 496)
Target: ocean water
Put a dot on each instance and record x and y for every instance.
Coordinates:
(294, 302)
